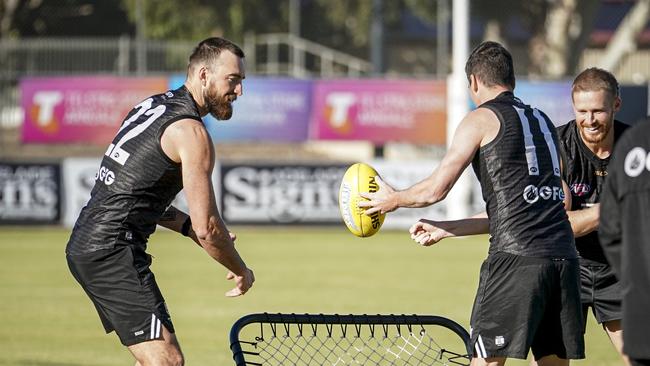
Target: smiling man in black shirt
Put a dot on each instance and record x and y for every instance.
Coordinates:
(587, 144)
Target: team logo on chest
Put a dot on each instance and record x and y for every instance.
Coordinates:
(580, 189)
(532, 193)
(105, 175)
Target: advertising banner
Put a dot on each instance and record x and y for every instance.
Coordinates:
(277, 194)
(551, 97)
(79, 175)
(81, 109)
(402, 175)
(281, 194)
(635, 107)
(308, 194)
(30, 193)
(380, 110)
(554, 98)
(271, 109)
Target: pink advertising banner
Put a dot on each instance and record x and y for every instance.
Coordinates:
(81, 109)
(380, 110)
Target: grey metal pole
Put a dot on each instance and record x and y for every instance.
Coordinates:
(294, 29)
(140, 34)
(457, 104)
(442, 25)
(377, 37)
(294, 17)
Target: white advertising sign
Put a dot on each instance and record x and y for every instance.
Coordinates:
(79, 176)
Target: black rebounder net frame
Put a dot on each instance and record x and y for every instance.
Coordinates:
(318, 339)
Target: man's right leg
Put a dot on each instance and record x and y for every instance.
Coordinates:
(509, 307)
(124, 292)
(607, 304)
(552, 360)
(158, 352)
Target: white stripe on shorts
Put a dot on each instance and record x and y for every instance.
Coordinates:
(152, 327)
(158, 328)
(481, 352)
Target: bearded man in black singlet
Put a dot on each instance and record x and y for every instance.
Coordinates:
(529, 294)
(161, 147)
(587, 144)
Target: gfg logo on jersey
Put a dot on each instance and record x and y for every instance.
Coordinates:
(532, 194)
(580, 189)
(105, 175)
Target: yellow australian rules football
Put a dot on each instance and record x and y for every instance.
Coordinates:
(359, 177)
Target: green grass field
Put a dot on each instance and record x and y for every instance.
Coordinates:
(46, 319)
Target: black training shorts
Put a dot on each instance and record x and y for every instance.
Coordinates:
(124, 292)
(527, 303)
(601, 291)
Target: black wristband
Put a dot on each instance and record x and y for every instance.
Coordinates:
(185, 229)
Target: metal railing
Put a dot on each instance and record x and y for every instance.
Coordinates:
(269, 54)
(286, 54)
(75, 56)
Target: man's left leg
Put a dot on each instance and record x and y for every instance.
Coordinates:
(615, 334)
(552, 360)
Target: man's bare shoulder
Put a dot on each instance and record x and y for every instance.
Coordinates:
(482, 114)
(485, 122)
(183, 134)
(185, 124)
(187, 131)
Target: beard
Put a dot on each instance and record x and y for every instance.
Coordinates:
(597, 138)
(220, 107)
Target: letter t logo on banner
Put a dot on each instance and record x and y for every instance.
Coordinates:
(337, 111)
(43, 109)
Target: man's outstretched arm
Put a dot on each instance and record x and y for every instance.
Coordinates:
(474, 129)
(428, 232)
(188, 142)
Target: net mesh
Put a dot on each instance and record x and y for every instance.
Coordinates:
(351, 344)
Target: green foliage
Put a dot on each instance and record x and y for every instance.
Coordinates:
(199, 19)
(341, 24)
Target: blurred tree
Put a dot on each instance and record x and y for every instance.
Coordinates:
(624, 40)
(558, 30)
(197, 19)
(339, 24)
(51, 18)
(567, 26)
(7, 10)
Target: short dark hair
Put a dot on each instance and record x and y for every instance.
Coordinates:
(492, 64)
(594, 79)
(209, 49)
